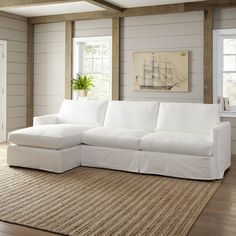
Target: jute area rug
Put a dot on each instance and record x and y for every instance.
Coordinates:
(89, 201)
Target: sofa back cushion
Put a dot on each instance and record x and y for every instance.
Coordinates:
(187, 117)
(132, 114)
(82, 112)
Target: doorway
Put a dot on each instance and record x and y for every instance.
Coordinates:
(3, 69)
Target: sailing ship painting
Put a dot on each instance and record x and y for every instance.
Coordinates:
(160, 71)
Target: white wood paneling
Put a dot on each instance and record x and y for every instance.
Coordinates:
(45, 100)
(16, 46)
(93, 28)
(194, 54)
(162, 19)
(13, 90)
(49, 67)
(16, 79)
(162, 30)
(16, 123)
(178, 41)
(45, 37)
(14, 31)
(226, 19)
(16, 67)
(17, 57)
(182, 31)
(50, 57)
(16, 100)
(49, 47)
(9, 34)
(55, 27)
(13, 24)
(14, 112)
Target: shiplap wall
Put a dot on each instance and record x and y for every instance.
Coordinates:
(182, 31)
(226, 19)
(49, 67)
(14, 31)
(93, 28)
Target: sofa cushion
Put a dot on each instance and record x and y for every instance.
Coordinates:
(132, 115)
(82, 112)
(179, 143)
(48, 136)
(113, 137)
(187, 117)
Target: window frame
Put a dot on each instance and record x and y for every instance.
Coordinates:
(218, 54)
(77, 55)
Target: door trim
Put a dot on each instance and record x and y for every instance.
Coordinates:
(4, 101)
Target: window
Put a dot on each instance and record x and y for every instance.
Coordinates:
(225, 65)
(93, 56)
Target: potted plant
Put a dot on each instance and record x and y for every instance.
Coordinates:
(82, 84)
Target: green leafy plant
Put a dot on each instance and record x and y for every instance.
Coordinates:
(82, 82)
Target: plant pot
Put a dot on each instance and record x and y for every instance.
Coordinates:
(83, 93)
(75, 94)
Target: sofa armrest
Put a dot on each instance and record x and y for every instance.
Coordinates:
(221, 138)
(45, 120)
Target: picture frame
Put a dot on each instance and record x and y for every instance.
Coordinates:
(160, 71)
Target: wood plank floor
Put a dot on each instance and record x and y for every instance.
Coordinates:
(217, 219)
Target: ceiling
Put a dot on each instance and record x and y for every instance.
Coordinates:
(53, 9)
(142, 3)
(82, 6)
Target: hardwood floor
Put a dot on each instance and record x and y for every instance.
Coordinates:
(217, 219)
(219, 216)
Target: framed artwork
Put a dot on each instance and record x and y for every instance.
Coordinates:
(160, 71)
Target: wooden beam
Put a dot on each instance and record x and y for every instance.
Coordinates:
(68, 58)
(72, 17)
(153, 10)
(213, 4)
(21, 3)
(30, 75)
(208, 56)
(13, 16)
(106, 5)
(115, 58)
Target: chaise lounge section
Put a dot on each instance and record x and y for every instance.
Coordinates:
(54, 143)
(173, 139)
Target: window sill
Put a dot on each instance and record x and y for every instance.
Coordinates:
(228, 114)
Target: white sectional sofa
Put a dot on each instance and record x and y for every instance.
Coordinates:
(183, 140)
